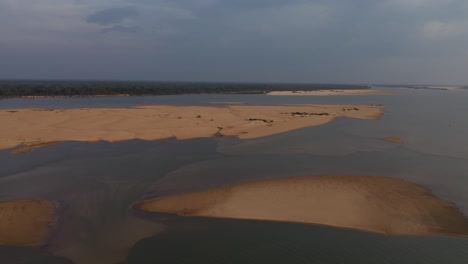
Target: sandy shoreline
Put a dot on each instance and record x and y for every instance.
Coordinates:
(434, 88)
(25, 222)
(331, 92)
(375, 204)
(33, 128)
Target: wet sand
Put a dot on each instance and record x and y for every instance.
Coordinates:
(331, 92)
(25, 222)
(33, 128)
(376, 204)
(32, 145)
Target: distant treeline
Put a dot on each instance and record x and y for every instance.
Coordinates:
(422, 87)
(95, 88)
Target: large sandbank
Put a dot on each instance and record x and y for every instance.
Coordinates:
(331, 92)
(25, 222)
(375, 204)
(34, 128)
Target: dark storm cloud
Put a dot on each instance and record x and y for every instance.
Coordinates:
(246, 40)
(112, 15)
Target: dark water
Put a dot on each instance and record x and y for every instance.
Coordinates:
(97, 184)
(231, 241)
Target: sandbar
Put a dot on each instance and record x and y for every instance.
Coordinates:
(331, 92)
(375, 204)
(25, 222)
(33, 128)
(435, 88)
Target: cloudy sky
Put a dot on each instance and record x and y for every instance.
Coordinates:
(333, 41)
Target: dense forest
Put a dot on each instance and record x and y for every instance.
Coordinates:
(95, 88)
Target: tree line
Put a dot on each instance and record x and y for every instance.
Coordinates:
(95, 88)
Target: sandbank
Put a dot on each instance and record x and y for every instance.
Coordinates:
(25, 222)
(435, 88)
(393, 140)
(33, 128)
(331, 92)
(375, 204)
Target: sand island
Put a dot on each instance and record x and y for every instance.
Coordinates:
(33, 128)
(375, 204)
(332, 92)
(25, 222)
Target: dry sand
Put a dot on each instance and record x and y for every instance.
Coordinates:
(393, 140)
(375, 204)
(25, 222)
(331, 92)
(33, 128)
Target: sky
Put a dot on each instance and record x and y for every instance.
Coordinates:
(303, 41)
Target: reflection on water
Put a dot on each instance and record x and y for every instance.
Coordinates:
(97, 184)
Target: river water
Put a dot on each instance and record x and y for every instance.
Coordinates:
(97, 184)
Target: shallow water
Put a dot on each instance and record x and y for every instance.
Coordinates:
(96, 184)
(429, 121)
(234, 241)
